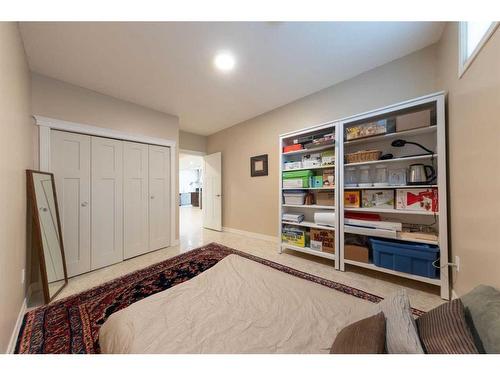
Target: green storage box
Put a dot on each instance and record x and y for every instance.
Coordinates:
(296, 175)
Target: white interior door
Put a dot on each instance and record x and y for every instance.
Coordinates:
(70, 163)
(107, 202)
(212, 192)
(135, 199)
(159, 197)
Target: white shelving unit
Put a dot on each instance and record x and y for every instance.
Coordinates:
(432, 137)
(308, 210)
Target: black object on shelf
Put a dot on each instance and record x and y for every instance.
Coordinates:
(402, 143)
(386, 157)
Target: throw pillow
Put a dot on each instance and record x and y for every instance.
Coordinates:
(443, 330)
(366, 336)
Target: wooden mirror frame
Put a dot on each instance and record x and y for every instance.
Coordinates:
(36, 232)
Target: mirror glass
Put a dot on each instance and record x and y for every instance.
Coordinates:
(48, 228)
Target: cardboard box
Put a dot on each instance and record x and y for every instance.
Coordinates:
(352, 199)
(328, 177)
(328, 158)
(294, 236)
(326, 237)
(369, 129)
(325, 198)
(377, 198)
(291, 148)
(417, 200)
(414, 120)
(311, 160)
(357, 253)
(317, 181)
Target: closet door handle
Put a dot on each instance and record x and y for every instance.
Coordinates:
(152, 197)
(44, 209)
(84, 204)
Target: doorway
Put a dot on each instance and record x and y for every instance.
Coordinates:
(190, 197)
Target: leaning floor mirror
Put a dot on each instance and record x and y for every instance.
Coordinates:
(46, 232)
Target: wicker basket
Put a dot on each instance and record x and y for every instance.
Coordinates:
(362, 156)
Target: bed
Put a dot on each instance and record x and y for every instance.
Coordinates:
(237, 306)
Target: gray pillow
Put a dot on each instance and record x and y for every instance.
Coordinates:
(482, 308)
(400, 328)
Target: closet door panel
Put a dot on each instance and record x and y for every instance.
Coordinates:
(70, 163)
(107, 202)
(135, 199)
(159, 194)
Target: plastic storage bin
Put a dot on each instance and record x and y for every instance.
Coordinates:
(294, 197)
(297, 176)
(414, 258)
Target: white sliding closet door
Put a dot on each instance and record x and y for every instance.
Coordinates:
(70, 163)
(107, 202)
(135, 199)
(159, 197)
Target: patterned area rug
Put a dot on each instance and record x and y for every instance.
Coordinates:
(71, 325)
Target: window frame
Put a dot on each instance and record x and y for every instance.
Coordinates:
(465, 62)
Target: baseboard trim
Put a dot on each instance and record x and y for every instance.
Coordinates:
(259, 236)
(17, 328)
(174, 242)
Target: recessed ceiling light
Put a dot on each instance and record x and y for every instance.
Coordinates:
(224, 61)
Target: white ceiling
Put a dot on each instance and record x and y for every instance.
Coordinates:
(168, 66)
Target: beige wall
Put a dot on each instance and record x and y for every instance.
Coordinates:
(192, 142)
(16, 155)
(474, 159)
(63, 101)
(251, 204)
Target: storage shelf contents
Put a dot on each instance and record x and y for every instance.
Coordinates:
(308, 191)
(393, 191)
(385, 206)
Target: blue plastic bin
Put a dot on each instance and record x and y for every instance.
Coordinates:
(414, 258)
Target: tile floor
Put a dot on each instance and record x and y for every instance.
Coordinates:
(192, 235)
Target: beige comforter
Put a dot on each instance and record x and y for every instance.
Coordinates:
(237, 306)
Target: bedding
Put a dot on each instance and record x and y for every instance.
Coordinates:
(237, 306)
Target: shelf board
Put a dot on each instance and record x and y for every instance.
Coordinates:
(309, 150)
(305, 169)
(308, 250)
(371, 266)
(308, 224)
(383, 234)
(383, 137)
(313, 206)
(395, 160)
(313, 188)
(390, 187)
(391, 211)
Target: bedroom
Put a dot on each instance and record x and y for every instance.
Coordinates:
(175, 187)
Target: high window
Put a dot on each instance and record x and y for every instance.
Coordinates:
(473, 36)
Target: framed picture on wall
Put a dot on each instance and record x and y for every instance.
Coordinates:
(258, 166)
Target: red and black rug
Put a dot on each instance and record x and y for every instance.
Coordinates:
(71, 325)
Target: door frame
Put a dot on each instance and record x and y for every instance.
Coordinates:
(46, 124)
